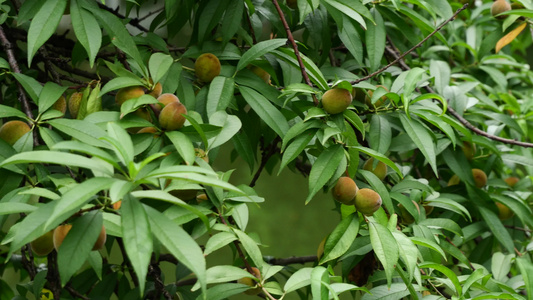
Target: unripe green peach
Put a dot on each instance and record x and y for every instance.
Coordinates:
(60, 105)
(61, 232)
(207, 67)
(148, 130)
(498, 7)
(345, 190)
(156, 91)
(74, 104)
(429, 209)
(171, 117)
(454, 180)
(201, 154)
(367, 201)
(320, 250)
(359, 94)
(480, 178)
(44, 244)
(504, 212)
(12, 131)
(380, 171)
(250, 282)
(292, 4)
(127, 93)
(368, 98)
(407, 218)
(201, 198)
(336, 100)
(261, 73)
(117, 205)
(512, 181)
(469, 149)
(164, 100)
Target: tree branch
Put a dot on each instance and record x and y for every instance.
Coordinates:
(295, 47)
(456, 115)
(412, 49)
(8, 47)
(291, 260)
(133, 22)
(265, 157)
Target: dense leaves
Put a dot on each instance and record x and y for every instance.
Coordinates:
(438, 89)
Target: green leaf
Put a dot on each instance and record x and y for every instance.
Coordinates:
(447, 272)
(218, 241)
(380, 157)
(251, 248)
(232, 20)
(298, 280)
(78, 243)
(192, 177)
(30, 85)
(497, 228)
(244, 148)
(15, 208)
(517, 159)
(323, 169)
(428, 244)
(223, 291)
(159, 64)
(315, 75)
(341, 238)
(137, 236)
(183, 144)
(441, 223)
(119, 35)
(220, 94)
(378, 185)
(295, 148)
(395, 291)
(179, 243)
(230, 126)
(266, 110)
(259, 50)
(86, 29)
(61, 158)
(118, 83)
(422, 139)
(319, 280)
(218, 274)
(408, 252)
(380, 135)
(526, 269)
(50, 93)
(7, 111)
(44, 24)
(51, 214)
(82, 130)
(165, 196)
(355, 120)
(375, 41)
(121, 143)
(385, 247)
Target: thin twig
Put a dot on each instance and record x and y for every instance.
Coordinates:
(133, 22)
(412, 49)
(518, 228)
(295, 47)
(8, 47)
(150, 14)
(28, 264)
(239, 251)
(460, 118)
(75, 293)
(252, 31)
(292, 260)
(265, 157)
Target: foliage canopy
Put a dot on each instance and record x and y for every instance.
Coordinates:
(438, 88)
